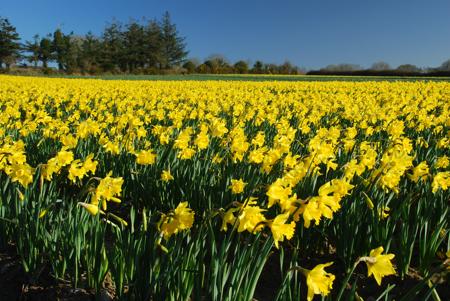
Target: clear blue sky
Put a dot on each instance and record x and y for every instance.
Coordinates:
(310, 33)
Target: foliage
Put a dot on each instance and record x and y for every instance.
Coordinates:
(9, 43)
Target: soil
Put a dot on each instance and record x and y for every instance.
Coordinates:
(15, 284)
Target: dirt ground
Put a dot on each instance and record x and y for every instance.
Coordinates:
(16, 285)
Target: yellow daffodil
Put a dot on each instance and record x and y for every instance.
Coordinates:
(145, 157)
(441, 180)
(319, 281)
(166, 176)
(91, 208)
(280, 229)
(379, 265)
(182, 218)
(237, 186)
(108, 190)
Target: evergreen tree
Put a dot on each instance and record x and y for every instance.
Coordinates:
(32, 48)
(112, 55)
(134, 46)
(65, 51)
(45, 51)
(89, 60)
(173, 46)
(9, 43)
(153, 44)
(258, 67)
(59, 48)
(73, 45)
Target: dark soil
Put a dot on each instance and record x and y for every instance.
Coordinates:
(15, 284)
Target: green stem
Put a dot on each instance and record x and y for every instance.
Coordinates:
(341, 291)
(434, 292)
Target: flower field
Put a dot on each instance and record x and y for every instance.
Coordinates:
(188, 190)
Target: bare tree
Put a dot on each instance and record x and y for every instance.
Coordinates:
(380, 66)
(343, 67)
(408, 68)
(445, 66)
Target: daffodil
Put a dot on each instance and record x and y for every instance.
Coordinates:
(379, 265)
(251, 217)
(419, 172)
(228, 218)
(441, 180)
(108, 189)
(182, 218)
(145, 157)
(319, 281)
(91, 208)
(280, 229)
(237, 186)
(166, 176)
(442, 162)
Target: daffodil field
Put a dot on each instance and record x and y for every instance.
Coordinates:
(188, 190)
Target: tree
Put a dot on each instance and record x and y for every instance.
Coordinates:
(134, 46)
(173, 46)
(59, 48)
(342, 67)
(288, 68)
(45, 51)
(89, 58)
(112, 48)
(9, 43)
(203, 68)
(189, 66)
(153, 44)
(32, 47)
(258, 67)
(74, 46)
(408, 68)
(66, 50)
(241, 67)
(380, 66)
(445, 66)
(217, 63)
(271, 68)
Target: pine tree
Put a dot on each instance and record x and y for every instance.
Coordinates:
(89, 57)
(59, 48)
(9, 43)
(73, 45)
(173, 46)
(32, 48)
(45, 51)
(112, 56)
(258, 67)
(152, 44)
(134, 45)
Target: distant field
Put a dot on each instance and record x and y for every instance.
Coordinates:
(237, 77)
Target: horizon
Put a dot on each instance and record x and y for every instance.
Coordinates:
(411, 32)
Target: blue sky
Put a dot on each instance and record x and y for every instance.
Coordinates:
(311, 33)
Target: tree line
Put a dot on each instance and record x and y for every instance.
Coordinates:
(135, 47)
(383, 69)
(150, 47)
(218, 64)
(147, 47)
